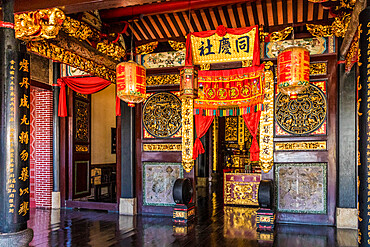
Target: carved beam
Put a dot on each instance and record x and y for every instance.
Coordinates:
(83, 50)
(49, 50)
(74, 6)
(352, 28)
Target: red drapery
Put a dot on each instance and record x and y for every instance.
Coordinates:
(202, 124)
(251, 121)
(84, 85)
(222, 31)
(241, 89)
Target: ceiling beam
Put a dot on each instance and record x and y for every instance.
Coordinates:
(164, 7)
(74, 6)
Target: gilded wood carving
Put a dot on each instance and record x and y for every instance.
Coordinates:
(162, 115)
(304, 115)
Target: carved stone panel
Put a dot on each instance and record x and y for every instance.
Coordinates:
(301, 188)
(162, 115)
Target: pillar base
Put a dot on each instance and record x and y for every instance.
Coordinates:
(55, 200)
(22, 238)
(202, 182)
(128, 206)
(347, 218)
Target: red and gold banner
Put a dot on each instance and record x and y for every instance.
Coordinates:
(230, 92)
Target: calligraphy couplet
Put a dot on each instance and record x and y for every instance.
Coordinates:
(364, 130)
(18, 138)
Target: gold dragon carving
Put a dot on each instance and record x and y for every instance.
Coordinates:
(338, 28)
(38, 25)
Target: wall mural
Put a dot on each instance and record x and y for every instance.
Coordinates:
(163, 59)
(162, 115)
(158, 181)
(315, 45)
(301, 187)
(304, 115)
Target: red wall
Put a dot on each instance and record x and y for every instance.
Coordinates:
(41, 162)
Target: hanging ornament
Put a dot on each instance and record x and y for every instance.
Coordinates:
(189, 82)
(131, 82)
(293, 70)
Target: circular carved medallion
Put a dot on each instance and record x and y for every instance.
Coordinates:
(303, 115)
(162, 115)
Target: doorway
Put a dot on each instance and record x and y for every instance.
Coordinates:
(90, 151)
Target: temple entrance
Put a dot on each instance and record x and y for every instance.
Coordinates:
(91, 167)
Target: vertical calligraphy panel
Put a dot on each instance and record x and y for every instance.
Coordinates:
(364, 129)
(23, 192)
(187, 134)
(267, 121)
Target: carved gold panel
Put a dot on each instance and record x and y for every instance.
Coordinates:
(304, 115)
(318, 68)
(300, 146)
(82, 121)
(231, 129)
(162, 115)
(168, 79)
(82, 148)
(162, 147)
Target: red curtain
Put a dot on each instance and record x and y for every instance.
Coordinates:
(222, 31)
(202, 124)
(84, 85)
(251, 121)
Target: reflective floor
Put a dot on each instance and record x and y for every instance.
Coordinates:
(216, 225)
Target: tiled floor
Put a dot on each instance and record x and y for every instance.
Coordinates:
(216, 225)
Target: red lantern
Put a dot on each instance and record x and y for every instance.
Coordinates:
(189, 82)
(131, 82)
(293, 70)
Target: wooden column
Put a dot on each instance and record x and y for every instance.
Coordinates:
(14, 133)
(364, 130)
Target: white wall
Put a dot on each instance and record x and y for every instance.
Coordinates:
(103, 118)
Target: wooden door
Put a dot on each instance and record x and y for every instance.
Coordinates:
(79, 146)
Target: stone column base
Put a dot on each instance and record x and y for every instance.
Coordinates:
(202, 182)
(55, 200)
(21, 239)
(347, 218)
(128, 206)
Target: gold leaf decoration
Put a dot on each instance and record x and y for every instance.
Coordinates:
(338, 28)
(38, 25)
(51, 51)
(280, 35)
(146, 48)
(168, 79)
(79, 30)
(176, 45)
(111, 49)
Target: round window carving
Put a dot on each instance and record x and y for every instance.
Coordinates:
(162, 115)
(303, 115)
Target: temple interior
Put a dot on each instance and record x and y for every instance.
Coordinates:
(185, 123)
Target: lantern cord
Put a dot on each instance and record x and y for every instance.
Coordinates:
(189, 14)
(132, 39)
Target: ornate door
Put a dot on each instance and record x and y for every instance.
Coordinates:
(79, 146)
